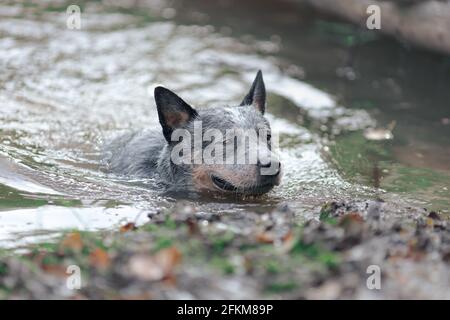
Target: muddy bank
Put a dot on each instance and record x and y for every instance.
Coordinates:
(186, 253)
(422, 23)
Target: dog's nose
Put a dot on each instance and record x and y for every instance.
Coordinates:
(264, 163)
(271, 167)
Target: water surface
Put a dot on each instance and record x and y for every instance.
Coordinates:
(63, 93)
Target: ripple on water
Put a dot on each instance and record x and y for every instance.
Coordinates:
(64, 92)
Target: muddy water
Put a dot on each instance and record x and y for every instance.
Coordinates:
(65, 92)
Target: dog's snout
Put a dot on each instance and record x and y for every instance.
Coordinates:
(277, 166)
(270, 168)
(264, 163)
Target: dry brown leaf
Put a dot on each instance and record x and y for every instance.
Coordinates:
(288, 236)
(130, 226)
(264, 237)
(289, 241)
(54, 269)
(192, 226)
(72, 241)
(168, 259)
(99, 258)
(145, 268)
(156, 267)
(170, 280)
(351, 218)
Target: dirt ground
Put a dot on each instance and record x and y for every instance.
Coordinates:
(185, 254)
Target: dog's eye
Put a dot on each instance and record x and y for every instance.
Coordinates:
(269, 137)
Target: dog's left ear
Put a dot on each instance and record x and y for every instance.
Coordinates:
(173, 112)
(257, 94)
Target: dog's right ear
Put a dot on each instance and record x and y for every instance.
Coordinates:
(173, 112)
(257, 95)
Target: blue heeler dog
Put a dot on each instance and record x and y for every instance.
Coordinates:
(150, 153)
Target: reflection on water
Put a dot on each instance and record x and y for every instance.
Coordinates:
(18, 227)
(64, 92)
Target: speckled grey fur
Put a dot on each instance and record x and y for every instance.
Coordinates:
(147, 154)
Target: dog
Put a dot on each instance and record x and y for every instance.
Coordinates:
(150, 153)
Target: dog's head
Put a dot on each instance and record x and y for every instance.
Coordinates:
(226, 149)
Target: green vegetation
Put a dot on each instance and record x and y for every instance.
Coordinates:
(217, 251)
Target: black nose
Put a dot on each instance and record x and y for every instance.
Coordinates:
(274, 164)
(263, 164)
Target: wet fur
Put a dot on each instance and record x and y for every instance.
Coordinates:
(147, 153)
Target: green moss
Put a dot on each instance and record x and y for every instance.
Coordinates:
(309, 250)
(45, 246)
(316, 253)
(329, 259)
(150, 227)
(170, 223)
(50, 260)
(272, 267)
(221, 242)
(162, 243)
(3, 269)
(280, 287)
(325, 214)
(223, 264)
(248, 247)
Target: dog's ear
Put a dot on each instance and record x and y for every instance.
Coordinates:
(257, 94)
(173, 112)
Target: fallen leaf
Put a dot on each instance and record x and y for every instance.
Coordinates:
(145, 268)
(168, 258)
(99, 258)
(192, 226)
(72, 241)
(289, 241)
(130, 226)
(288, 236)
(170, 280)
(351, 218)
(414, 252)
(55, 269)
(264, 237)
(156, 267)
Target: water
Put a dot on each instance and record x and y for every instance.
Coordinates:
(64, 92)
